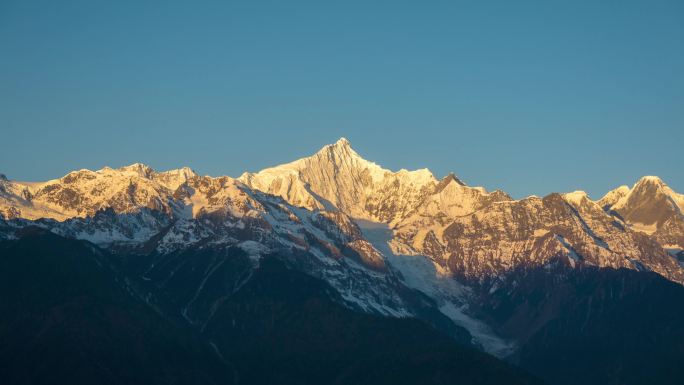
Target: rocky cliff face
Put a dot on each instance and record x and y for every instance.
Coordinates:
(653, 208)
(166, 216)
(479, 235)
(83, 193)
(445, 243)
(338, 178)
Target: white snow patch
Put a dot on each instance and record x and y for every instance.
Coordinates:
(480, 331)
(574, 257)
(254, 249)
(576, 197)
(422, 274)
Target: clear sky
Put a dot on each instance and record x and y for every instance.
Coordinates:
(527, 96)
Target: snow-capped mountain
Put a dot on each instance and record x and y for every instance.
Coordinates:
(83, 193)
(337, 177)
(135, 210)
(475, 234)
(401, 243)
(650, 207)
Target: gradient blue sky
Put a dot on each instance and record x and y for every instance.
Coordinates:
(527, 96)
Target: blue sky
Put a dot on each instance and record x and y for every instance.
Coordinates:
(527, 96)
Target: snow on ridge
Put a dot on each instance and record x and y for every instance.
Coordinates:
(418, 206)
(577, 197)
(650, 179)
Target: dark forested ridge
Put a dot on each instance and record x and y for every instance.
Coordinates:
(593, 326)
(68, 317)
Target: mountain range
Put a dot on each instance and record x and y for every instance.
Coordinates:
(554, 287)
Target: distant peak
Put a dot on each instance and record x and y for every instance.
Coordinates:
(343, 142)
(650, 179)
(451, 177)
(342, 145)
(341, 149)
(139, 169)
(613, 196)
(185, 171)
(174, 178)
(135, 166)
(576, 197)
(446, 181)
(421, 172)
(649, 183)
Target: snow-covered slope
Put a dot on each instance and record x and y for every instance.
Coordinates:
(613, 196)
(472, 233)
(82, 193)
(423, 242)
(138, 210)
(451, 297)
(336, 177)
